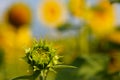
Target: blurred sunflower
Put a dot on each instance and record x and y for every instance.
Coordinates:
(52, 12)
(102, 18)
(18, 15)
(14, 36)
(10, 40)
(77, 7)
(114, 37)
(13, 44)
(114, 65)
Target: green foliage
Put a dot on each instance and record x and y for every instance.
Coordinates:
(1, 56)
(90, 55)
(64, 27)
(115, 1)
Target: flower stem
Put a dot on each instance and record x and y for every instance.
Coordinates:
(40, 78)
(43, 75)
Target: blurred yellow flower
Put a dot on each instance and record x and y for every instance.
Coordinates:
(77, 7)
(102, 18)
(114, 37)
(13, 43)
(6, 36)
(52, 12)
(10, 40)
(114, 65)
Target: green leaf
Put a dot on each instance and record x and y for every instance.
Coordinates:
(64, 66)
(1, 56)
(28, 77)
(52, 70)
(64, 27)
(23, 77)
(115, 1)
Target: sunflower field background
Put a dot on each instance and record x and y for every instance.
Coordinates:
(85, 32)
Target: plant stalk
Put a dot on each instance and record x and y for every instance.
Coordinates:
(43, 75)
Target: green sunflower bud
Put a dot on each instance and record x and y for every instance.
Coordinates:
(41, 56)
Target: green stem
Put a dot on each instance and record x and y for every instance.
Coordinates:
(43, 75)
(44, 78)
(40, 78)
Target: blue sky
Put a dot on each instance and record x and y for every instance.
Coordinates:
(37, 28)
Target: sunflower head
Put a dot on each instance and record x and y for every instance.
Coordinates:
(52, 12)
(18, 15)
(41, 56)
(77, 7)
(102, 18)
(102, 9)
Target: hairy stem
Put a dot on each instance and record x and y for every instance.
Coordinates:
(43, 75)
